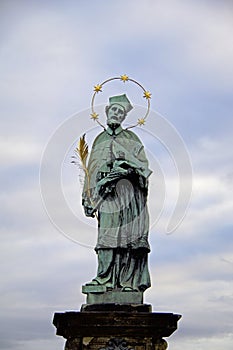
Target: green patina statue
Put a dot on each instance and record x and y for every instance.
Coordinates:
(115, 191)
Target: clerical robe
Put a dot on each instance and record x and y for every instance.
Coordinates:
(118, 187)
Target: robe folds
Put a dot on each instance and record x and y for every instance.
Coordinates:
(117, 188)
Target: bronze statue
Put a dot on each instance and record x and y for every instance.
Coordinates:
(115, 191)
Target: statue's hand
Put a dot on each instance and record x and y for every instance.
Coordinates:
(89, 211)
(88, 208)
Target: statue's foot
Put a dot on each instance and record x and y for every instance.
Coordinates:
(95, 282)
(92, 283)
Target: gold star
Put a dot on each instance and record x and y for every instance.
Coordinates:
(94, 116)
(97, 88)
(141, 121)
(124, 78)
(147, 95)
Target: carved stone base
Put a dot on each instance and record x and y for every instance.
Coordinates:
(115, 327)
(99, 343)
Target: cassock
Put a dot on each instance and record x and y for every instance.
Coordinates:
(117, 188)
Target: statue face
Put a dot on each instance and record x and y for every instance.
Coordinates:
(115, 115)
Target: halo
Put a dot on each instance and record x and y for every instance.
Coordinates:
(124, 78)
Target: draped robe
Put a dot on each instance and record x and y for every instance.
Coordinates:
(118, 187)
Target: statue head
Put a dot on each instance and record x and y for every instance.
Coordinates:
(117, 110)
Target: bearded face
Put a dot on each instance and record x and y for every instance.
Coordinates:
(115, 115)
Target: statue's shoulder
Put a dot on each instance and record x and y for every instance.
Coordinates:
(99, 138)
(132, 135)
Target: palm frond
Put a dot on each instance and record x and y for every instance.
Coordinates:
(82, 150)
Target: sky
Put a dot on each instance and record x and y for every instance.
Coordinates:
(52, 54)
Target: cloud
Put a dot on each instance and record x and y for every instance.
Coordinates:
(16, 152)
(198, 290)
(195, 33)
(51, 56)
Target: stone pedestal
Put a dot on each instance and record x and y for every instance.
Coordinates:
(100, 295)
(113, 326)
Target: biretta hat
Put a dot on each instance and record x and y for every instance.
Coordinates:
(121, 100)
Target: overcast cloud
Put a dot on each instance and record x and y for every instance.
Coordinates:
(52, 53)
